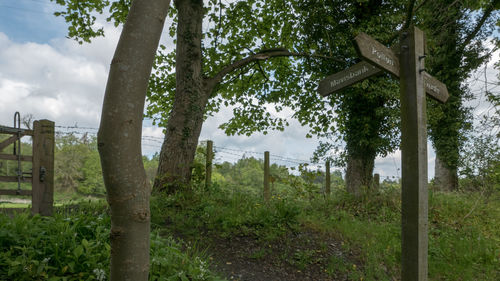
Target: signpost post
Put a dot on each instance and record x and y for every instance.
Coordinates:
(415, 83)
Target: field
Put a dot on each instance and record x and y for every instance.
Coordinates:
(232, 234)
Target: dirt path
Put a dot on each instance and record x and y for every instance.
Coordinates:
(300, 256)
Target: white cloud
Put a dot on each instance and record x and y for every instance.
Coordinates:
(62, 80)
(291, 143)
(55, 82)
(482, 80)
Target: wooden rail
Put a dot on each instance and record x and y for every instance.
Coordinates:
(14, 179)
(10, 130)
(26, 158)
(11, 140)
(21, 192)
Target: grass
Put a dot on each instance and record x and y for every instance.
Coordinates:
(60, 199)
(238, 214)
(8, 205)
(464, 237)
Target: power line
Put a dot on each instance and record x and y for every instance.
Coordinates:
(237, 150)
(222, 152)
(275, 156)
(77, 127)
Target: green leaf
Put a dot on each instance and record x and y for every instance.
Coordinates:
(78, 251)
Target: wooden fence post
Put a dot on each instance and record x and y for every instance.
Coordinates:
(376, 181)
(43, 168)
(327, 180)
(267, 193)
(208, 166)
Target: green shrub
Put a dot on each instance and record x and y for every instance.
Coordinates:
(225, 213)
(169, 262)
(74, 245)
(55, 248)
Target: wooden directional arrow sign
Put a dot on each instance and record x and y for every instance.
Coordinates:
(377, 54)
(340, 80)
(385, 58)
(435, 88)
(363, 70)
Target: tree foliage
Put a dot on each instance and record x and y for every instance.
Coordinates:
(247, 175)
(457, 33)
(259, 55)
(81, 16)
(77, 166)
(323, 46)
(264, 60)
(480, 163)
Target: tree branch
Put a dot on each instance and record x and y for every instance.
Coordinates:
(480, 23)
(266, 54)
(409, 14)
(262, 71)
(220, 25)
(419, 6)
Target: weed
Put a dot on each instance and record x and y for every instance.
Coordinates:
(74, 245)
(259, 254)
(302, 258)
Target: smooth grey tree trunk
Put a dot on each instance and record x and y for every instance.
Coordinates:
(119, 139)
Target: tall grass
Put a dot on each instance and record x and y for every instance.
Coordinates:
(464, 237)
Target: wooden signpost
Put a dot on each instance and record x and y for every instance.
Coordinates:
(377, 57)
(352, 75)
(415, 83)
(267, 191)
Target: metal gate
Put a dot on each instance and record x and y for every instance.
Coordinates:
(41, 175)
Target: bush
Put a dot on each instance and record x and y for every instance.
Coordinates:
(225, 213)
(74, 245)
(55, 248)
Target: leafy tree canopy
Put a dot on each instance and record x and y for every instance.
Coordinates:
(315, 38)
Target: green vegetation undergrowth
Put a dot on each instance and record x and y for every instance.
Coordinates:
(464, 238)
(463, 233)
(74, 245)
(226, 214)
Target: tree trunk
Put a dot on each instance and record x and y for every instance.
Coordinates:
(447, 122)
(119, 139)
(445, 177)
(191, 97)
(359, 173)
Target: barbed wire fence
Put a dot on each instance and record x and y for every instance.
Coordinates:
(221, 153)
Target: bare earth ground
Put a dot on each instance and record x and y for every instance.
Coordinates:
(297, 256)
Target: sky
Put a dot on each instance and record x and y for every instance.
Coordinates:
(51, 77)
